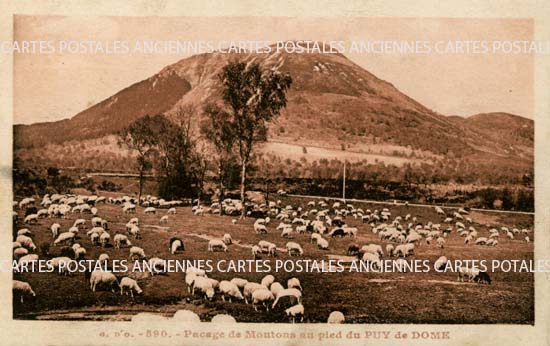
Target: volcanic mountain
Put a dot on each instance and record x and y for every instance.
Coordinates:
(333, 103)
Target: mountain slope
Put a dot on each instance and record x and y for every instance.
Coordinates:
(332, 102)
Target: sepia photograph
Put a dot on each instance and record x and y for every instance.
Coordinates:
(237, 173)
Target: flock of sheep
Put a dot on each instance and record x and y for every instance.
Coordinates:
(402, 235)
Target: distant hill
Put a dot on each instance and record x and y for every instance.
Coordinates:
(333, 103)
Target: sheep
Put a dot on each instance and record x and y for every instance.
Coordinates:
(27, 259)
(275, 288)
(59, 263)
(227, 239)
(294, 283)
(164, 219)
(295, 311)
(129, 285)
(259, 228)
(79, 222)
(150, 210)
(186, 316)
(482, 277)
(373, 249)
(55, 228)
(154, 263)
(262, 296)
(231, 290)
(469, 273)
(79, 253)
(20, 252)
(440, 242)
(26, 242)
(336, 317)
(440, 263)
(121, 239)
(286, 233)
(315, 237)
(223, 318)
(103, 258)
(30, 219)
(16, 245)
(353, 249)
(390, 250)
(176, 244)
(22, 289)
(250, 288)
(294, 294)
(102, 277)
(239, 282)
(25, 231)
(294, 249)
(135, 231)
(256, 251)
(373, 259)
(268, 247)
(216, 244)
(322, 244)
(137, 251)
(404, 250)
(204, 286)
(267, 280)
(481, 241)
(172, 211)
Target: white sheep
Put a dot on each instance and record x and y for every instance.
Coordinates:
(322, 244)
(164, 219)
(215, 244)
(24, 231)
(256, 251)
(26, 242)
(315, 237)
(121, 239)
(267, 280)
(294, 249)
(31, 218)
(176, 245)
(204, 286)
(135, 231)
(295, 311)
(103, 258)
(336, 317)
(150, 210)
(20, 252)
(440, 263)
(268, 247)
(373, 259)
(390, 250)
(59, 263)
(239, 282)
(231, 290)
(294, 294)
(103, 277)
(27, 259)
(294, 283)
(249, 289)
(262, 296)
(275, 288)
(259, 228)
(22, 288)
(79, 253)
(227, 239)
(137, 251)
(172, 211)
(129, 285)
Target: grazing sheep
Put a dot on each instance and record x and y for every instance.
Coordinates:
(262, 296)
(390, 250)
(31, 218)
(150, 210)
(27, 259)
(481, 241)
(102, 277)
(104, 239)
(482, 278)
(267, 280)
(259, 228)
(164, 219)
(20, 252)
(440, 263)
(294, 249)
(60, 263)
(336, 317)
(25, 231)
(469, 273)
(22, 289)
(26, 241)
(137, 251)
(268, 247)
(103, 258)
(186, 316)
(223, 318)
(294, 283)
(215, 244)
(239, 282)
(256, 251)
(250, 288)
(176, 244)
(440, 242)
(322, 244)
(315, 237)
(275, 288)
(373, 259)
(79, 253)
(172, 211)
(129, 285)
(353, 249)
(204, 286)
(135, 231)
(227, 239)
(295, 311)
(231, 290)
(294, 294)
(287, 233)
(121, 239)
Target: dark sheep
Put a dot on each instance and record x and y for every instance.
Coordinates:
(339, 232)
(353, 250)
(483, 278)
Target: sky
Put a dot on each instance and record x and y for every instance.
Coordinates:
(49, 87)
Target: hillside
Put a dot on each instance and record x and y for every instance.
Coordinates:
(333, 103)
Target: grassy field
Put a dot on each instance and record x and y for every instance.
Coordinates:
(363, 297)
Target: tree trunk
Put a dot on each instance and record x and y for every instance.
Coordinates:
(140, 185)
(243, 184)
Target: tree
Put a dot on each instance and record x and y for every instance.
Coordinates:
(139, 136)
(254, 97)
(218, 129)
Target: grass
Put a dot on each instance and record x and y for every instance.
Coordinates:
(363, 298)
